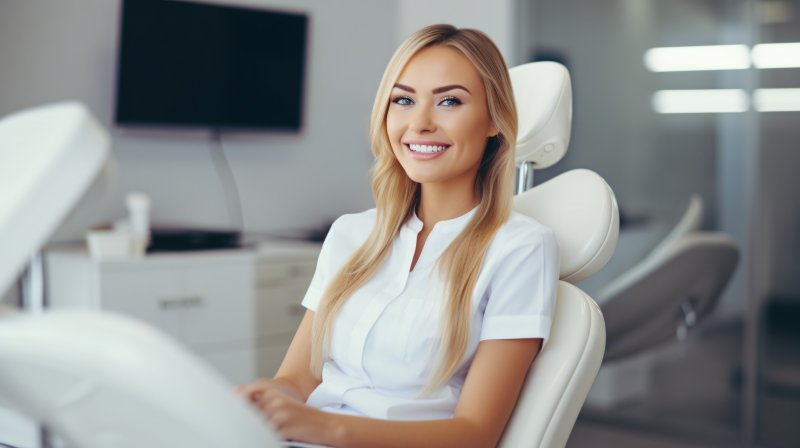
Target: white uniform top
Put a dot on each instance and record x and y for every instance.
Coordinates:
(384, 339)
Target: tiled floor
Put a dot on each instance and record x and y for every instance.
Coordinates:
(695, 397)
(586, 435)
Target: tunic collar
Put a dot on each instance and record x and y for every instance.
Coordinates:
(453, 225)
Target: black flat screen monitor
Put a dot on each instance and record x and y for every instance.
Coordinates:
(189, 64)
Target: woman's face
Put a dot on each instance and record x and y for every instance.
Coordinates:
(438, 122)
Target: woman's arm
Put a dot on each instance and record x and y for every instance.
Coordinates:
(489, 395)
(294, 377)
(295, 366)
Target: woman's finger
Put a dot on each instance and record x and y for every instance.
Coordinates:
(250, 389)
(271, 402)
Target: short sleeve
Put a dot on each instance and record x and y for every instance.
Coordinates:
(522, 292)
(323, 271)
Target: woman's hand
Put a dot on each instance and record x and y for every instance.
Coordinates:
(255, 390)
(283, 405)
(282, 399)
(295, 420)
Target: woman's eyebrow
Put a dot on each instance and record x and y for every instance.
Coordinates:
(451, 87)
(436, 90)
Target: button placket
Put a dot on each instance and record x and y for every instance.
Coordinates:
(399, 262)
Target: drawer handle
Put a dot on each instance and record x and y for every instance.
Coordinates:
(180, 302)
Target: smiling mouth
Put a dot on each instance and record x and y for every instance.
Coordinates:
(426, 149)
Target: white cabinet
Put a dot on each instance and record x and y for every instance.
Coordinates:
(236, 309)
(203, 299)
(283, 272)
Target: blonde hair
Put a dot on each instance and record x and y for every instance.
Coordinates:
(396, 196)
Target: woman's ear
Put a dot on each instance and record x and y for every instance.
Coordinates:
(493, 131)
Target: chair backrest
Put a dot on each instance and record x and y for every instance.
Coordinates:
(689, 222)
(581, 210)
(673, 287)
(49, 157)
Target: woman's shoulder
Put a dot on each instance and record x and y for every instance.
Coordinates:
(357, 220)
(353, 226)
(520, 238)
(521, 229)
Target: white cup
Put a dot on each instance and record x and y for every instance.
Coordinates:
(109, 245)
(139, 220)
(138, 245)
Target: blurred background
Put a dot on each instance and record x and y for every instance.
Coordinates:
(656, 127)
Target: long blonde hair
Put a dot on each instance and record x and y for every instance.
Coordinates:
(396, 196)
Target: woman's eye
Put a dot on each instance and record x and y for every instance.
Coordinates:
(402, 100)
(450, 101)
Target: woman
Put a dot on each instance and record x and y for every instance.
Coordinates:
(426, 312)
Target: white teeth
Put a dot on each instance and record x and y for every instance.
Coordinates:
(426, 148)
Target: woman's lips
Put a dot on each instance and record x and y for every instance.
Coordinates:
(426, 150)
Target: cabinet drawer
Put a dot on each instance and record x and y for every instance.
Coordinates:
(278, 297)
(281, 288)
(141, 293)
(278, 274)
(279, 310)
(228, 311)
(199, 305)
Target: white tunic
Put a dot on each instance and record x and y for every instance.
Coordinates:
(384, 340)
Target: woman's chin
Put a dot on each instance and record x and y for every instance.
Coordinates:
(424, 178)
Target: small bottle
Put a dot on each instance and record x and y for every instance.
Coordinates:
(139, 219)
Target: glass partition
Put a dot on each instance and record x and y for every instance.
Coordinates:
(675, 99)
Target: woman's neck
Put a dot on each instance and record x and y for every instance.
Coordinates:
(440, 204)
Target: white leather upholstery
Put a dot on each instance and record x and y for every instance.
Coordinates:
(543, 94)
(676, 285)
(97, 380)
(102, 380)
(49, 156)
(581, 210)
(561, 376)
(689, 222)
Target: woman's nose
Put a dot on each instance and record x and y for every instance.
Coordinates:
(422, 120)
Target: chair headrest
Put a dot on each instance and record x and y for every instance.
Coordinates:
(543, 94)
(582, 211)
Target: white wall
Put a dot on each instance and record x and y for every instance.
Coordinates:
(52, 51)
(495, 18)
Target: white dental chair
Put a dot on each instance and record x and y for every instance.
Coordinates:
(49, 158)
(102, 380)
(582, 211)
(675, 286)
(94, 379)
